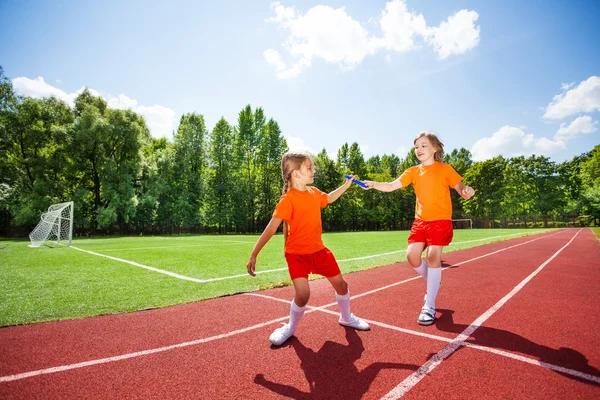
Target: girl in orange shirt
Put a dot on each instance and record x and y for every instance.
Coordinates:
(432, 228)
(300, 207)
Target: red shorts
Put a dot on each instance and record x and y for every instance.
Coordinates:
(432, 233)
(322, 262)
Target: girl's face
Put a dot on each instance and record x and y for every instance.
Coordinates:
(306, 173)
(424, 150)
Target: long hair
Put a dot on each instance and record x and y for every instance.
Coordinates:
(435, 142)
(290, 162)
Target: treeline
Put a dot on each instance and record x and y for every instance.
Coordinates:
(227, 179)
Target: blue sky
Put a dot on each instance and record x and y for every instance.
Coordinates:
(496, 77)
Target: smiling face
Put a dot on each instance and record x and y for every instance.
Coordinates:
(424, 150)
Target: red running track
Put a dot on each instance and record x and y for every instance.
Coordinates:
(516, 319)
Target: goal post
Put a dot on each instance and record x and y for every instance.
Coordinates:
(462, 223)
(56, 225)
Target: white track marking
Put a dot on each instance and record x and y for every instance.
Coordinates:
(160, 271)
(245, 275)
(174, 247)
(90, 363)
(492, 350)
(532, 361)
(414, 378)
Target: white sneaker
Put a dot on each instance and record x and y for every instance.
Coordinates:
(280, 335)
(427, 316)
(355, 322)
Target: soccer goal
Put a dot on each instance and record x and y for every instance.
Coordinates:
(464, 223)
(56, 225)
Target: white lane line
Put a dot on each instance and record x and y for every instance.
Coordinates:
(90, 363)
(451, 244)
(174, 247)
(414, 378)
(188, 278)
(135, 264)
(528, 360)
(67, 367)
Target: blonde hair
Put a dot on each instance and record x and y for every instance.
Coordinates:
(290, 162)
(435, 142)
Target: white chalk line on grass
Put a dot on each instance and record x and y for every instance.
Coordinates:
(323, 308)
(188, 278)
(176, 247)
(413, 379)
(492, 350)
(135, 264)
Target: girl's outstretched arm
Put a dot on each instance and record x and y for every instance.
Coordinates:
(466, 192)
(262, 240)
(384, 186)
(333, 196)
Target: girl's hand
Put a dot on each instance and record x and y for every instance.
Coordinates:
(349, 180)
(370, 185)
(251, 266)
(467, 192)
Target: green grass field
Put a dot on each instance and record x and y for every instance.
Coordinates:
(54, 283)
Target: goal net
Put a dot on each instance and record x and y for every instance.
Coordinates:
(464, 223)
(56, 225)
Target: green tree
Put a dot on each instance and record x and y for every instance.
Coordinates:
(590, 179)
(486, 178)
(221, 184)
(35, 154)
(189, 169)
(272, 145)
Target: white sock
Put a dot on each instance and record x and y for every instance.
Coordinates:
(434, 277)
(422, 269)
(295, 314)
(344, 303)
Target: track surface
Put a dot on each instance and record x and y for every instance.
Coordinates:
(516, 319)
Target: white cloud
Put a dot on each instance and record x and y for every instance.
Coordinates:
(160, 120)
(323, 32)
(400, 27)
(457, 35)
(38, 88)
(581, 125)
(510, 141)
(584, 98)
(296, 143)
(335, 37)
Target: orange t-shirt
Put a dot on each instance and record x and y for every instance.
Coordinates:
(432, 186)
(302, 211)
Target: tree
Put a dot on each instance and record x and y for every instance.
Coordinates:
(486, 178)
(590, 179)
(272, 145)
(246, 146)
(189, 169)
(461, 161)
(35, 153)
(220, 187)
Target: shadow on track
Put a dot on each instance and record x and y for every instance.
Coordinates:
(501, 339)
(330, 372)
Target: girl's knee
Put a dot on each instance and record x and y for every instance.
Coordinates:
(301, 299)
(414, 259)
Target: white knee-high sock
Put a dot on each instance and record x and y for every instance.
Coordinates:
(434, 277)
(344, 303)
(422, 269)
(295, 314)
